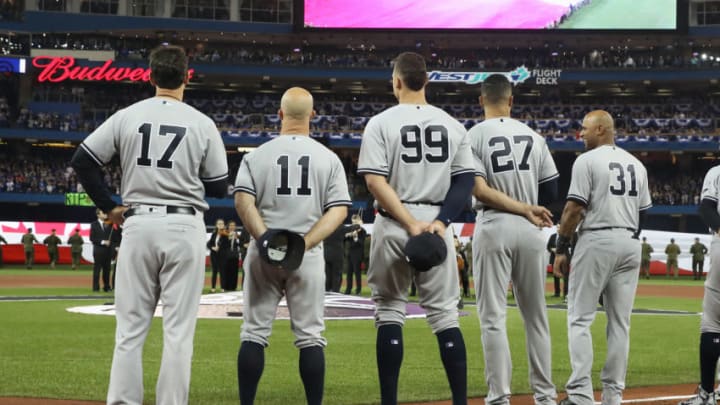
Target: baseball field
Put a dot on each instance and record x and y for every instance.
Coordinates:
(47, 352)
(628, 14)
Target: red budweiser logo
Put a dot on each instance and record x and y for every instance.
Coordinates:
(57, 69)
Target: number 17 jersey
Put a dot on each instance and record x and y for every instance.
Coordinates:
(418, 148)
(613, 185)
(167, 149)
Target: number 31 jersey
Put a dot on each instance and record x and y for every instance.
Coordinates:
(418, 148)
(295, 180)
(512, 158)
(614, 186)
(167, 149)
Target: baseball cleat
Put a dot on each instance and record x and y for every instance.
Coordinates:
(566, 401)
(702, 398)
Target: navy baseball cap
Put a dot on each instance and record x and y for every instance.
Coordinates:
(425, 251)
(282, 248)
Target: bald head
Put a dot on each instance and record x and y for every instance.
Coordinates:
(602, 119)
(598, 128)
(297, 104)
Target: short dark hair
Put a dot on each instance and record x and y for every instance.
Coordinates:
(495, 89)
(168, 66)
(410, 66)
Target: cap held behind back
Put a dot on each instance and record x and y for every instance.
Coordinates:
(425, 251)
(282, 248)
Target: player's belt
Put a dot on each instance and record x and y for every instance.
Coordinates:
(169, 209)
(439, 204)
(607, 228)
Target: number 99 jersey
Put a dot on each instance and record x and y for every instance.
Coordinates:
(418, 148)
(613, 185)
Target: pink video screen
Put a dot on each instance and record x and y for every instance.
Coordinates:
(491, 14)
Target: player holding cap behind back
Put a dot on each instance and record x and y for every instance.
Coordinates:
(512, 158)
(171, 156)
(608, 192)
(294, 183)
(417, 163)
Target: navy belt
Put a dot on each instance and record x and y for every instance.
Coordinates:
(607, 228)
(438, 204)
(168, 209)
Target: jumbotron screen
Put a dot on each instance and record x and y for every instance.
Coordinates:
(492, 14)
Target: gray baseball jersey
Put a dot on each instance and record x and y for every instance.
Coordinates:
(515, 160)
(418, 148)
(166, 149)
(614, 187)
(295, 180)
(711, 300)
(512, 158)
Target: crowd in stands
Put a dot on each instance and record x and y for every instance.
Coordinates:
(665, 119)
(366, 55)
(47, 171)
(44, 171)
(675, 187)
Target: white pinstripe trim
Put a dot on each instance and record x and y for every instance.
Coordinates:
(713, 199)
(337, 203)
(463, 171)
(92, 154)
(216, 178)
(372, 171)
(243, 190)
(577, 198)
(555, 176)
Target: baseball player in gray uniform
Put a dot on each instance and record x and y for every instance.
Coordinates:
(418, 165)
(294, 183)
(511, 158)
(608, 192)
(710, 325)
(171, 157)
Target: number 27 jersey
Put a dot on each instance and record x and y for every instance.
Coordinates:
(418, 148)
(613, 184)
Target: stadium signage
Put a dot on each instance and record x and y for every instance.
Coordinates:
(58, 69)
(518, 75)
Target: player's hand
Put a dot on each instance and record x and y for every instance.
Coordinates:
(116, 215)
(437, 227)
(560, 266)
(539, 216)
(417, 227)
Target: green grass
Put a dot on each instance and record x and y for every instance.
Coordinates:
(49, 352)
(624, 14)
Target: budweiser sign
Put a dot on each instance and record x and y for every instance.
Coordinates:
(58, 69)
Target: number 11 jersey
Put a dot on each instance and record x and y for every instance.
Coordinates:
(295, 180)
(418, 148)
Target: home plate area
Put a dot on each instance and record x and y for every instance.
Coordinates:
(230, 306)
